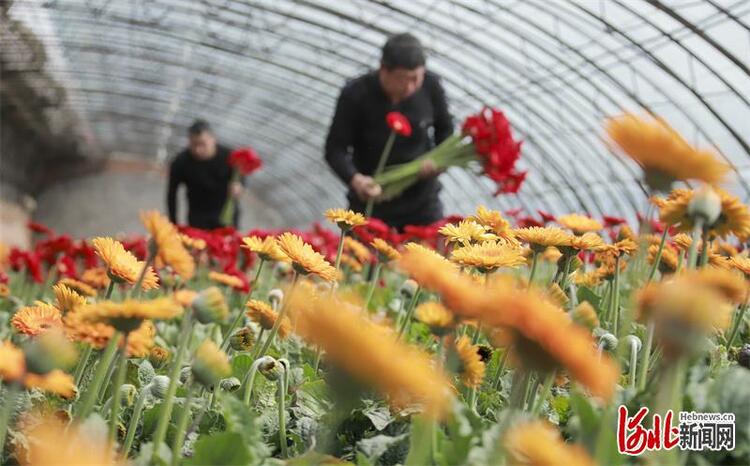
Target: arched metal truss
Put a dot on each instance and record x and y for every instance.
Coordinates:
(267, 73)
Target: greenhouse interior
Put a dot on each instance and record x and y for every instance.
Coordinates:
(375, 232)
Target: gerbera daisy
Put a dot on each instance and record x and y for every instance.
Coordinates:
(661, 151)
(56, 382)
(622, 247)
(185, 297)
(579, 224)
(78, 286)
(122, 265)
(345, 219)
(351, 262)
(728, 283)
(169, 245)
(266, 248)
(193, 243)
(586, 242)
(226, 279)
(536, 443)
(589, 279)
(493, 221)
(466, 232)
(488, 256)
(556, 295)
(669, 259)
(67, 299)
(128, 315)
(37, 319)
(358, 249)
(471, 368)
(540, 238)
(210, 364)
(584, 314)
(141, 341)
(12, 362)
(373, 357)
(264, 315)
(741, 263)
(386, 252)
(304, 259)
(436, 316)
(96, 277)
(734, 218)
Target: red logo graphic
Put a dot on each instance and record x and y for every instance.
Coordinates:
(633, 439)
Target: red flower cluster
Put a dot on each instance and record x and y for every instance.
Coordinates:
(398, 123)
(245, 160)
(498, 151)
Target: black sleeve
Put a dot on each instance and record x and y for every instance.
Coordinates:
(341, 136)
(443, 118)
(175, 179)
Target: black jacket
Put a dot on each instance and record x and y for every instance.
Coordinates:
(358, 134)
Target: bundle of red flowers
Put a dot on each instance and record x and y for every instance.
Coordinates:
(486, 137)
(243, 161)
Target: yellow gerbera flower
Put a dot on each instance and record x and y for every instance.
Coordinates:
(226, 279)
(536, 443)
(494, 222)
(193, 243)
(266, 248)
(67, 299)
(129, 314)
(345, 219)
(304, 259)
(96, 277)
(734, 218)
(56, 382)
(589, 279)
(436, 316)
(540, 238)
(37, 319)
(185, 297)
(584, 314)
(472, 368)
(579, 224)
(386, 252)
(373, 357)
(669, 259)
(12, 362)
(210, 364)
(741, 263)
(466, 232)
(657, 147)
(488, 256)
(75, 285)
(624, 246)
(170, 247)
(587, 242)
(351, 262)
(359, 250)
(264, 315)
(98, 334)
(556, 295)
(683, 241)
(122, 264)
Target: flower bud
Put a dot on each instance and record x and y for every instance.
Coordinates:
(158, 357)
(49, 351)
(210, 364)
(270, 368)
(608, 341)
(232, 384)
(128, 393)
(705, 204)
(186, 374)
(633, 341)
(210, 306)
(743, 356)
(242, 339)
(275, 295)
(159, 386)
(409, 288)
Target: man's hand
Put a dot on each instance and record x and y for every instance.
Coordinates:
(429, 169)
(235, 189)
(365, 187)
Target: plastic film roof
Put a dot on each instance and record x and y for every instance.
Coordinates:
(267, 74)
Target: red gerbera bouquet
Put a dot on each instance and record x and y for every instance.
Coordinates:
(485, 138)
(243, 161)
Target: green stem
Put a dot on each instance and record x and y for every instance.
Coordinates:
(340, 250)
(409, 312)
(373, 282)
(82, 363)
(249, 380)
(110, 288)
(477, 332)
(6, 412)
(657, 259)
(92, 390)
(521, 381)
(152, 250)
(633, 363)
(615, 301)
(704, 251)
(697, 229)
(135, 418)
(182, 422)
(546, 389)
(381, 165)
(238, 319)
(737, 324)
(534, 261)
(282, 388)
(645, 354)
(174, 374)
(282, 314)
(117, 394)
(501, 369)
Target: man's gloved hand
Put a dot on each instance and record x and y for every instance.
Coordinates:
(429, 169)
(365, 187)
(235, 189)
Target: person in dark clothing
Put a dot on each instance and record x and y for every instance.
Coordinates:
(202, 167)
(359, 132)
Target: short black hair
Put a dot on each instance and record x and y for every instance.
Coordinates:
(199, 127)
(403, 51)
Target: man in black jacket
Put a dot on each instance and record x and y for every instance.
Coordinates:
(204, 170)
(359, 132)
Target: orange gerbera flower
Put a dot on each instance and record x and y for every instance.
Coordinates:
(78, 286)
(264, 315)
(171, 249)
(226, 279)
(37, 319)
(122, 265)
(96, 277)
(12, 362)
(56, 382)
(580, 224)
(386, 252)
(359, 250)
(304, 259)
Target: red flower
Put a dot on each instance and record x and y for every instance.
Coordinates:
(511, 184)
(245, 160)
(526, 222)
(66, 265)
(514, 213)
(375, 228)
(546, 216)
(398, 123)
(610, 221)
(39, 228)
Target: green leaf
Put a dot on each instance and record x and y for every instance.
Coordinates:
(221, 449)
(420, 445)
(586, 294)
(146, 373)
(379, 415)
(241, 364)
(375, 447)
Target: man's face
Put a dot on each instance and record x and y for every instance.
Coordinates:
(202, 145)
(400, 83)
